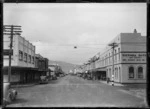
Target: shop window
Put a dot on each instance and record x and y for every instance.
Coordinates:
(20, 55)
(140, 72)
(25, 57)
(131, 72)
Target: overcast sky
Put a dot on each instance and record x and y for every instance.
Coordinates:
(56, 28)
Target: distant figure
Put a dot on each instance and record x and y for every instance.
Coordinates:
(112, 80)
(75, 47)
(135, 31)
(108, 80)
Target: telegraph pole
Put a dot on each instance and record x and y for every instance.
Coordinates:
(11, 30)
(113, 46)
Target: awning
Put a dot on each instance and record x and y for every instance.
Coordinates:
(20, 68)
(99, 69)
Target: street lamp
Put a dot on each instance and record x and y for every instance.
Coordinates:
(113, 45)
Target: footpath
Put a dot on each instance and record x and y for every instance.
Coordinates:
(138, 90)
(110, 83)
(23, 85)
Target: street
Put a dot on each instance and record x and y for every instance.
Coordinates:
(73, 91)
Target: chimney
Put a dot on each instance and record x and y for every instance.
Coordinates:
(135, 31)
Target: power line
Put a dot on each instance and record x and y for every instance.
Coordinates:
(96, 45)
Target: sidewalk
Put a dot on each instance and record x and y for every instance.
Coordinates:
(110, 83)
(23, 85)
(138, 90)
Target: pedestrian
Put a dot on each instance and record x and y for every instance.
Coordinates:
(108, 80)
(112, 80)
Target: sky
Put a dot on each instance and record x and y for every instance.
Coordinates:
(55, 28)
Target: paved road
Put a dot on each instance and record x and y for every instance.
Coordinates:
(70, 91)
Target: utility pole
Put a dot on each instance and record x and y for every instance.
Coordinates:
(113, 46)
(11, 30)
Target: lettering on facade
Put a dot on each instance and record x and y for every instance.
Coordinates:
(134, 57)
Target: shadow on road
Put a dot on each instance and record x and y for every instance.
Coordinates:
(53, 82)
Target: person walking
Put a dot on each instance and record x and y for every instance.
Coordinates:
(108, 80)
(112, 80)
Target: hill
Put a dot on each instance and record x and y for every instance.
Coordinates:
(66, 67)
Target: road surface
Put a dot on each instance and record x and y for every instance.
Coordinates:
(73, 91)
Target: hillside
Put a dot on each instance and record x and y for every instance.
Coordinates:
(66, 67)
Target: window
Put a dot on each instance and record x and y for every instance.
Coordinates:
(103, 61)
(140, 72)
(116, 73)
(32, 59)
(119, 53)
(109, 72)
(25, 57)
(20, 55)
(29, 58)
(109, 59)
(119, 74)
(115, 55)
(106, 60)
(131, 72)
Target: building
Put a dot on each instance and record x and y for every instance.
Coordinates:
(52, 68)
(126, 62)
(41, 64)
(22, 59)
(23, 53)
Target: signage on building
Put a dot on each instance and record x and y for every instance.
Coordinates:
(7, 51)
(134, 57)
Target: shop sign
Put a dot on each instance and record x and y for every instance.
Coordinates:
(134, 57)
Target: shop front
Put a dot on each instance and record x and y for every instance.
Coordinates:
(99, 74)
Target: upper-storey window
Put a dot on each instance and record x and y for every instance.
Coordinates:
(32, 59)
(25, 57)
(106, 60)
(20, 55)
(119, 53)
(115, 55)
(29, 58)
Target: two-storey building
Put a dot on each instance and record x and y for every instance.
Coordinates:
(22, 58)
(127, 61)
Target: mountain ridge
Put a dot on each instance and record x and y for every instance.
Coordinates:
(66, 67)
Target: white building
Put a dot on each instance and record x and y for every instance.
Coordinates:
(129, 62)
(22, 59)
(23, 52)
